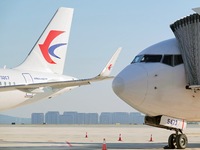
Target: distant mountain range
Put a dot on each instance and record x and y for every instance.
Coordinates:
(4, 119)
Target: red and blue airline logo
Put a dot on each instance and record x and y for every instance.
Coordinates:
(48, 50)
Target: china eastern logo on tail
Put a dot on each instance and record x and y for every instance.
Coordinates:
(48, 50)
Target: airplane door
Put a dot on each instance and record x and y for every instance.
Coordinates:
(28, 79)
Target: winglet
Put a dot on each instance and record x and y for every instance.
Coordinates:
(105, 73)
(107, 70)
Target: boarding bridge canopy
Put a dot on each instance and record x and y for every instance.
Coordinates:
(187, 32)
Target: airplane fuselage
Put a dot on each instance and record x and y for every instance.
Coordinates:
(12, 77)
(156, 87)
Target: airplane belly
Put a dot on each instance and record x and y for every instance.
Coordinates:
(44, 95)
(16, 98)
(11, 99)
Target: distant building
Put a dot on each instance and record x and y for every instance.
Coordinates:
(105, 118)
(62, 119)
(52, 117)
(120, 117)
(136, 118)
(73, 117)
(37, 118)
(68, 118)
(91, 118)
(80, 118)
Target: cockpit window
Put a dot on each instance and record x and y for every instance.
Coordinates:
(172, 60)
(177, 60)
(168, 60)
(151, 58)
(137, 59)
(147, 58)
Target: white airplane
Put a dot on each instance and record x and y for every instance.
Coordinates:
(155, 84)
(41, 76)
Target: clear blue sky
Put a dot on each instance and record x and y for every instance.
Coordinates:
(98, 29)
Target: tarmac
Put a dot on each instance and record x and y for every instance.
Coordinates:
(89, 137)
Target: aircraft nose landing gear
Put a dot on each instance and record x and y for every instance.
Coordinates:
(178, 141)
(172, 141)
(175, 141)
(181, 141)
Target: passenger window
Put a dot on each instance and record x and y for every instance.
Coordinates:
(168, 60)
(178, 60)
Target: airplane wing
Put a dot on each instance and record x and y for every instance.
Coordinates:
(105, 74)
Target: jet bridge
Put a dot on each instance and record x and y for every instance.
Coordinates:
(187, 33)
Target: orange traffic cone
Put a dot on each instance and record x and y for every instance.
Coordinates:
(151, 139)
(86, 136)
(120, 137)
(104, 147)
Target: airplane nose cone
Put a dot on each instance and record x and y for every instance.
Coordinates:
(131, 84)
(118, 85)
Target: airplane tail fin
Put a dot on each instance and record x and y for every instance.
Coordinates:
(49, 52)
